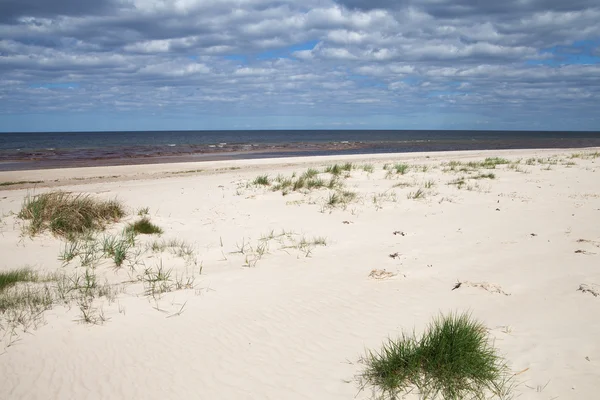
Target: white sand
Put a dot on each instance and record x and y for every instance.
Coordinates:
(294, 324)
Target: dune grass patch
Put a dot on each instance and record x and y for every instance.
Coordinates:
(14, 276)
(453, 359)
(262, 180)
(144, 226)
(67, 214)
(484, 176)
(400, 168)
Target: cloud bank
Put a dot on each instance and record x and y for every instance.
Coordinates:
(269, 64)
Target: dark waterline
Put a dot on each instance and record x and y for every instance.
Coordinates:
(20, 151)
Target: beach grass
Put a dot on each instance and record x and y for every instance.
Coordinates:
(262, 180)
(453, 359)
(484, 176)
(144, 226)
(401, 168)
(419, 194)
(12, 183)
(67, 214)
(14, 276)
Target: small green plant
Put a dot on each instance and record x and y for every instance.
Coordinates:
(419, 194)
(319, 241)
(299, 183)
(157, 280)
(144, 227)
(315, 183)
(401, 168)
(368, 168)
(310, 173)
(348, 166)
(333, 183)
(459, 182)
(484, 176)
(334, 169)
(429, 184)
(178, 248)
(333, 199)
(402, 185)
(143, 212)
(453, 359)
(69, 251)
(262, 180)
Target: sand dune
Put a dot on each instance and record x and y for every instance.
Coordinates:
(274, 297)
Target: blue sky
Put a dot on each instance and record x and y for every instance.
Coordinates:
(282, 64)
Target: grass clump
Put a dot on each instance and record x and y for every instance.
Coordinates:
(484, 176)
(334, 169)
(310, 173)
(459, 182)
(419, 194)
(144, 227)
(368, 168)
(68, 214)
(453, 359)
(262, 180)
(12, 277)
(401, 168)
(491, 162)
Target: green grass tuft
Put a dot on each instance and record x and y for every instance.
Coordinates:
(334, 169)
(401, 168)
(68, 214)
(144, 227)
(453, 359)
(484, 176)
(262, 180)
(12, 277)
(419, 194)
(368, 168)
(310, 173)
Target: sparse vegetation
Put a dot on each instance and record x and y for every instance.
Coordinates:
(19, 183)
(419, 194)
(12, 277)
(368, 168)
(459, 182)
(453, 359)
(401, 168)
(262, 180)
(310, 173)
(143, 212)
(484, 176)
(429, 184)
(68, 214)
(491, 162)
(586, 155)
(337, 169)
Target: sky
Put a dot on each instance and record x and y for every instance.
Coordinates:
(86, 65)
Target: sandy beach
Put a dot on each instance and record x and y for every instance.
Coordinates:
(267, 292)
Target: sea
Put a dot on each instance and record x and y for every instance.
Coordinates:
(21, 151)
